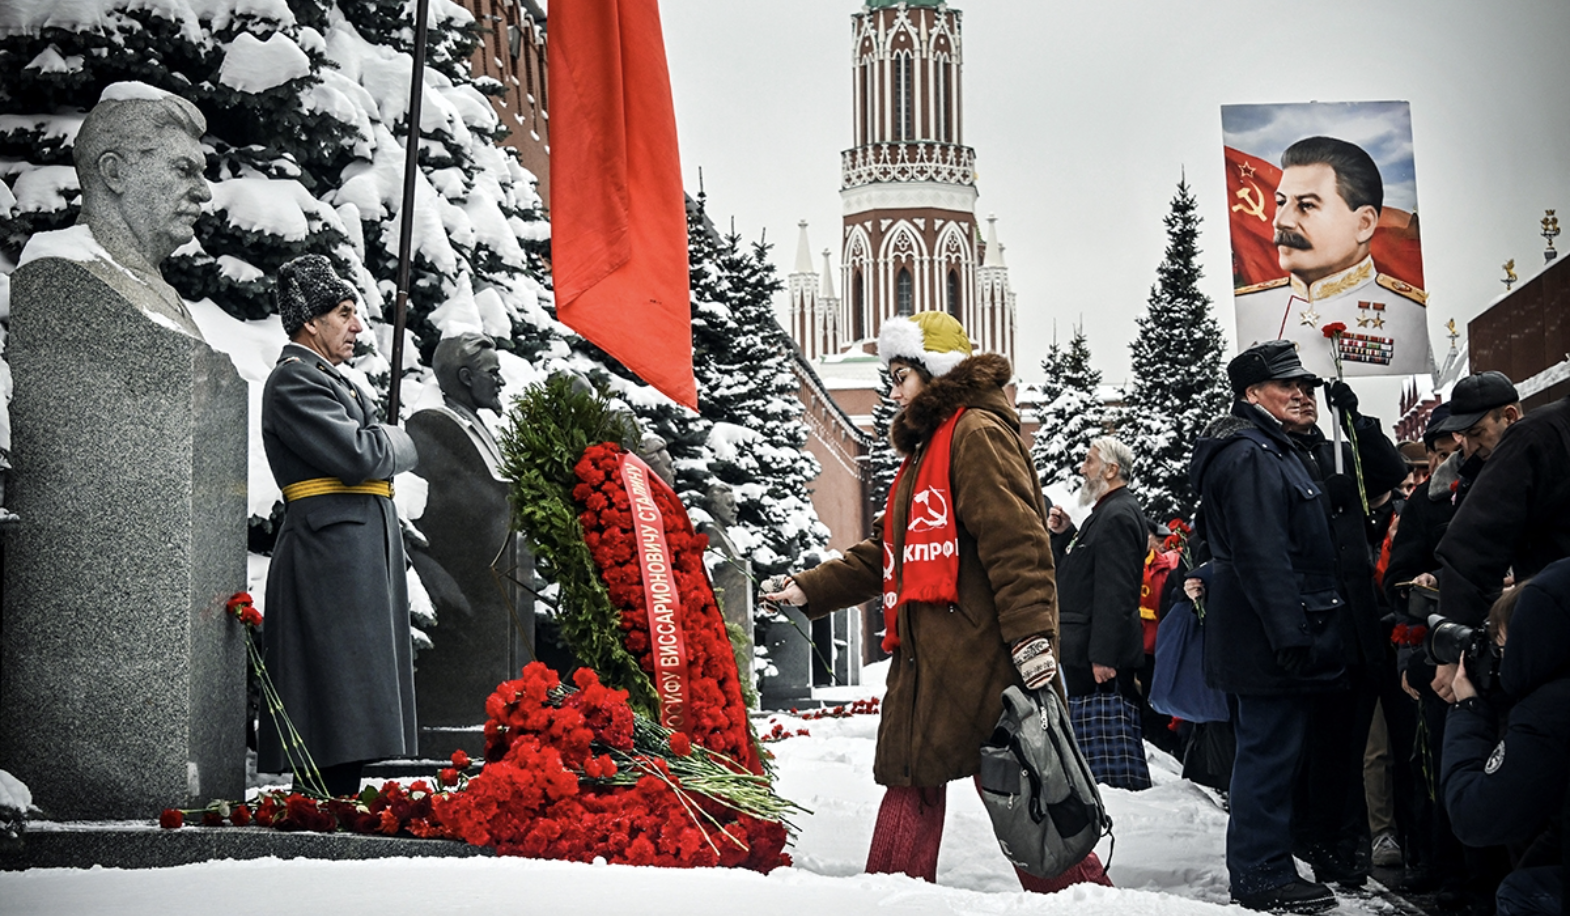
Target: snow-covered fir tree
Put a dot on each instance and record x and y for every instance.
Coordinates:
(1176, 370)
(1071, 415)
(760, 436)
(306, 103)
(749, 432)
(883, 460)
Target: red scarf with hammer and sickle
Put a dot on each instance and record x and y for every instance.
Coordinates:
(930, 559)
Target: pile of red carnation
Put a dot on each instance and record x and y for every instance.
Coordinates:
(387, 811)
(779, 732)
(717, 718)
(546, 789)
(868, 707)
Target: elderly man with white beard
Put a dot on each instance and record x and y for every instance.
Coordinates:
(1099, 574)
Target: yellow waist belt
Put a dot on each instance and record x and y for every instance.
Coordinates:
(320, 486)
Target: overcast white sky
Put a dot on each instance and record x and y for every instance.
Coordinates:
(1084, 114)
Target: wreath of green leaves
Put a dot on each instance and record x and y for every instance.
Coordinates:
(547, 431)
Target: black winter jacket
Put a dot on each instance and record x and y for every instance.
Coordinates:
(1099, 575)
(1274, 579)
(1515, 516)
(1383, 468)
(1420, 528)
(1508, 790)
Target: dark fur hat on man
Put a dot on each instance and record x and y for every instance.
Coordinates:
(308, 287)
(1275, 359)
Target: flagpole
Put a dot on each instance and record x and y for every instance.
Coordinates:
(406, 229)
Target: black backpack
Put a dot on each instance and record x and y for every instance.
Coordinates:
(1037, 787)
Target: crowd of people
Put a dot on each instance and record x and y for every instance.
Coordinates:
(1348, 601)
(1342, 602)
(1380, 631)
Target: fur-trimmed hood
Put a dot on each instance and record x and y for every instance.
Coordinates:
(977, 382)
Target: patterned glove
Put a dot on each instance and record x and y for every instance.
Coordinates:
(772, 585)
(1033, 657)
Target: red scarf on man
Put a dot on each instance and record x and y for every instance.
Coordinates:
(931, 550)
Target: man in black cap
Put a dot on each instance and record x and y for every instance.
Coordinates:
(1515, 517)
(1331, 824)
(1483, 407)
(1512, 521)
(1271, 638)
(337, 635)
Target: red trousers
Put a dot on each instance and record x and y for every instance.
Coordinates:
(906, 841)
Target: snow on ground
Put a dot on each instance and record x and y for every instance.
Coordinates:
(1167, 861)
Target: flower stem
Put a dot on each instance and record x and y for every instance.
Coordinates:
(302, 766)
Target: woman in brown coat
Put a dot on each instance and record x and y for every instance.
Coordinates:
(965, 569)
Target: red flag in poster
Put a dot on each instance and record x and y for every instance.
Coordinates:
(1252, 185)
(1252, 182)
(618, 220)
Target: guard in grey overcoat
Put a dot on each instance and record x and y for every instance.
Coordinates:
(337, 635)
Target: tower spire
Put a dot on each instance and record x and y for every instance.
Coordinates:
(804, 259)
(993, 256)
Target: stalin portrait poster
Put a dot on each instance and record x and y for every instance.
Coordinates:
(1323, 220)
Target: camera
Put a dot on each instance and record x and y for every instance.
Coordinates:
(1449, 641)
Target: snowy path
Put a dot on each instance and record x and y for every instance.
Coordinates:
(1168, 862)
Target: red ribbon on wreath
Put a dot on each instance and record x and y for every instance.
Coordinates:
(662, 600)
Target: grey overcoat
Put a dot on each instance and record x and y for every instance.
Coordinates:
(336, 635)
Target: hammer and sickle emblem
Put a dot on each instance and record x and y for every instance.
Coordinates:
(935, 507)
(1254, 204)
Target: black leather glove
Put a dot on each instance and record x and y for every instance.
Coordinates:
(1295, 659)
(1342, 397)
(1342, 492)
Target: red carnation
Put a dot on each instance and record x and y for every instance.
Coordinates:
(240, 815)
(680, 744)
(212, 819)
(460, 759)
(172, 818)
(1333, 329)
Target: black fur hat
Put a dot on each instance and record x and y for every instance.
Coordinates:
(1275, 359)
(308, 287)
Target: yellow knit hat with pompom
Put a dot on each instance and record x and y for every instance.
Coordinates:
(933, 340)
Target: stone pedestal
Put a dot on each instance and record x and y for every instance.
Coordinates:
(122, 683)
(731, 578)
(485, 623)
(791, 653)
(847, 632)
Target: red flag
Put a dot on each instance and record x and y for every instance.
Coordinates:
(1252, 205)
(1251, 184)
(619, 231)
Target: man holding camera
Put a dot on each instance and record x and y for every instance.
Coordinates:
(1510, 786)
(1515, 517)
